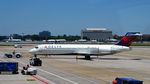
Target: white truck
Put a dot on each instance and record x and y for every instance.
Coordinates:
(17, 46)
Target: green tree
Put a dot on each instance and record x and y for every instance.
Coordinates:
(3, 37)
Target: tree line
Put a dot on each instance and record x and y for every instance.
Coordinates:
(36, 37)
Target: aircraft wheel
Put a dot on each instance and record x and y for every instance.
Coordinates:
(88, 57)
(18, 56)
(9, 56)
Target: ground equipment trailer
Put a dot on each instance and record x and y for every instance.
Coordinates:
(10, 55)
(17, 46)
(9, 67)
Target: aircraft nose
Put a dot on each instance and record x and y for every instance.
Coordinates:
(32, 51)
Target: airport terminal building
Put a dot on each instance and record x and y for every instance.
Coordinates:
(98, 34)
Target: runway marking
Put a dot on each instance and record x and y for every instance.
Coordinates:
(54, 74)
(78, 77)
(45, 79)
(83, 78)
(10, 80)
(38, 79)
(31, 79)
(59, 76)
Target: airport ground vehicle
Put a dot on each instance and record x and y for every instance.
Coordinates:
(29, 71)
(127, 81)
(17, 46)
(35, 61)
(10, 55)
(9, 67)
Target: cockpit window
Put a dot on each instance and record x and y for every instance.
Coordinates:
(36, 47)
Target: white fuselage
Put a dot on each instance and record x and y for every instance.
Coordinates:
(77, 49)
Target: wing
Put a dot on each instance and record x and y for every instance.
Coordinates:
(87, 51)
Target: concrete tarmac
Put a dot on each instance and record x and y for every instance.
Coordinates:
(69, 70)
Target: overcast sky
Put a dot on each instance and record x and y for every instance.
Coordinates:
(70, 16)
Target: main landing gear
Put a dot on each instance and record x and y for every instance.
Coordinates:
(87, 57)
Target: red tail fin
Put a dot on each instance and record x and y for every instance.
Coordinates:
(128, 38)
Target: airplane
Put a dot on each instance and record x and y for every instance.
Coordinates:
(11, 39)
(86, 49)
